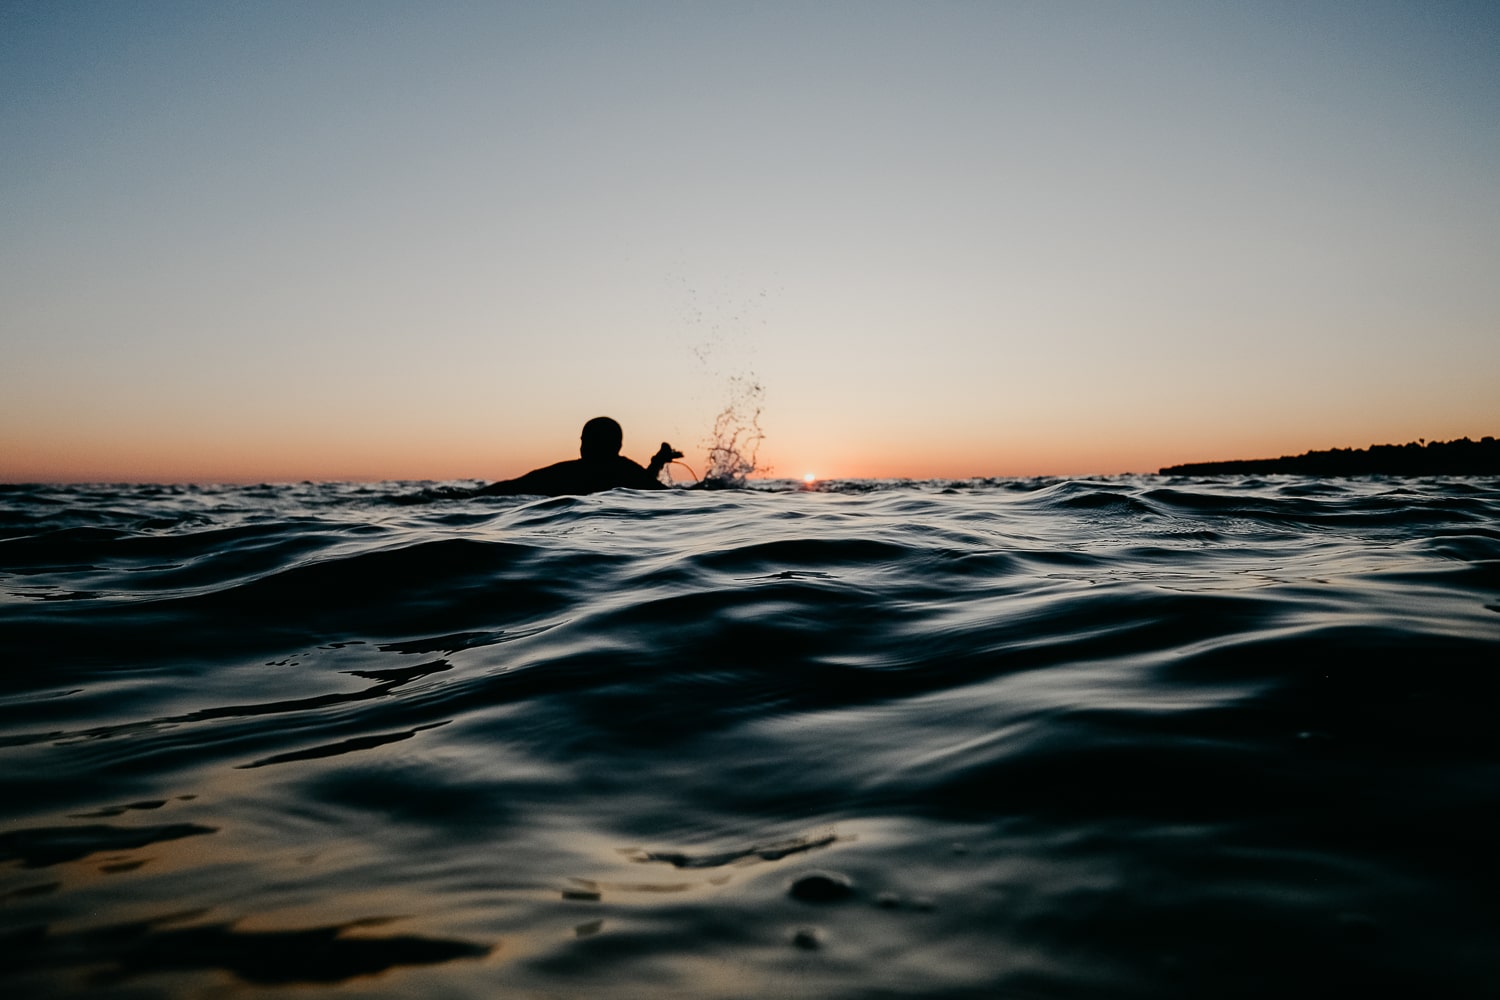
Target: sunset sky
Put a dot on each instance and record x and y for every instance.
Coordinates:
(320, 240)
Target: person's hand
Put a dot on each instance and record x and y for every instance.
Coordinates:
(666, 454)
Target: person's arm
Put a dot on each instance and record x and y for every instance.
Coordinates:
(664, 454)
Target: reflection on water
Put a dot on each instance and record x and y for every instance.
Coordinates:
(311, 955)
(1130, 738)
(38, 847)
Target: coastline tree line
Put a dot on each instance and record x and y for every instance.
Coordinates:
(1461, 457)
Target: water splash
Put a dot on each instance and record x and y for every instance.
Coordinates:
(736, 438)
(722, 319)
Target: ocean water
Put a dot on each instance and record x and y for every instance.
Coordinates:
(1137, 737)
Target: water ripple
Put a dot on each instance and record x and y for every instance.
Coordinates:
(1113, 738)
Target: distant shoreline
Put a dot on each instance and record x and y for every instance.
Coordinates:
(1461, 457)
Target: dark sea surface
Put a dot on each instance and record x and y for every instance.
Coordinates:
(1138, 738)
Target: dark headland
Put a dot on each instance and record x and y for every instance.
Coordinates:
(1417, 458)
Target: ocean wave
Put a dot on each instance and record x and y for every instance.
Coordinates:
(1088, 722)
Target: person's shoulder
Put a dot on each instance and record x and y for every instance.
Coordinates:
(635, 476)
(549, 479)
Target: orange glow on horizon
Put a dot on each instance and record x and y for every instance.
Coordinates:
(417, 453)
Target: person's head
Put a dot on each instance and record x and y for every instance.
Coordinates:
(601, 438)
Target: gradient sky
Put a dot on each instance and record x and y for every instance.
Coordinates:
(270, 240)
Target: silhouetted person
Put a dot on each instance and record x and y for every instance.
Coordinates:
(601, 467)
